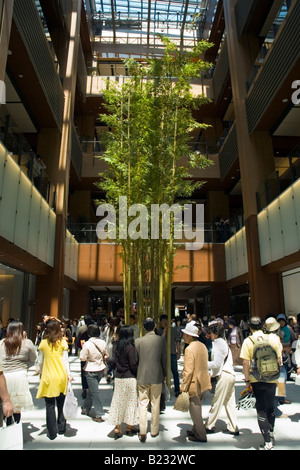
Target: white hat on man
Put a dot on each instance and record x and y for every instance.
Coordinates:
(191, 329)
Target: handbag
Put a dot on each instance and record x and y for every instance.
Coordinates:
(70, 404)
(182, 402)
(214, 381)
(11, 437)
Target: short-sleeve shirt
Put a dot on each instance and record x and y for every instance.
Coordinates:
(247, 349)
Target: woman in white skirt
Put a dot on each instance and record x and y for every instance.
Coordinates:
(124, 405)
(17, 354)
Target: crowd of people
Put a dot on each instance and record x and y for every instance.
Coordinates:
(137, 361)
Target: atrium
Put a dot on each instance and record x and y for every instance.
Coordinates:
(58, 60)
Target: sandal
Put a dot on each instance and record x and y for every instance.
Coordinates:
(131, 431)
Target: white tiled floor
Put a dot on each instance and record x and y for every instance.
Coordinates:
(83, 433)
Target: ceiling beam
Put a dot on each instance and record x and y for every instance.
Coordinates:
(148, 24)
(113, 19)
(183, 24)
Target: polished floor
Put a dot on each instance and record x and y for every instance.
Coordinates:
(84, 434)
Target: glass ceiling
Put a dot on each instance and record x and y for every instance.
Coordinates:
(139, 21)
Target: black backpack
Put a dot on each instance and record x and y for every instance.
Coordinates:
(265, 367)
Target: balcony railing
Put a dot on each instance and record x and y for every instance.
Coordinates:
(217, 232)
(97, 84)
(31, 29)
(271, 76)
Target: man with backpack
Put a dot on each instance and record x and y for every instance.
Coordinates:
(262, 356)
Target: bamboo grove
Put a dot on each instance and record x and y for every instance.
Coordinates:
(151, 119)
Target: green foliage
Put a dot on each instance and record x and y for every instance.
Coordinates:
(151, 117)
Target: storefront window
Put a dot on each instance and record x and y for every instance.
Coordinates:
(16, 296)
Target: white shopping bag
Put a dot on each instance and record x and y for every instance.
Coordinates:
(71, 404)
(11, 437)
(297, 381)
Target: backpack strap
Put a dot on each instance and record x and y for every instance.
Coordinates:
(259, 338)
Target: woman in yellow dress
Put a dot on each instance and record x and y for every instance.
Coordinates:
(55, 373)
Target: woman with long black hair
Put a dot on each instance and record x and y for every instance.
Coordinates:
(17, 354)
(124, 405)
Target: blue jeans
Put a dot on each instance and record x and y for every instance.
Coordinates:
(93, 392)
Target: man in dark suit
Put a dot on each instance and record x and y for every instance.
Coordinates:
(152, 370)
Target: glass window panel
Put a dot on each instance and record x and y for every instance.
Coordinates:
(51, 238)
(34, 222)
(228, 260)
(241, 252)
(275, 230)
(288, 221)
(11, 293)
(234, 262)
(23, 212)
(264, 237)
(43, 231)
(9, 198)
(296, 191)
(2, 163)
(291, 291)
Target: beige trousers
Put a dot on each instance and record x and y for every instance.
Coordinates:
(223, 396)
(195, 410)
(149, 394)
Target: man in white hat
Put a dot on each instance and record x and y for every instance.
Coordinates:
(196, 379)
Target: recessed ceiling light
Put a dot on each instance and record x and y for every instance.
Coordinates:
(20, 76)
(285, 100)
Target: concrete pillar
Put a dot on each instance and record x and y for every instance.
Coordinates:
(6, 12)
(51, 287)
(256, 163)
